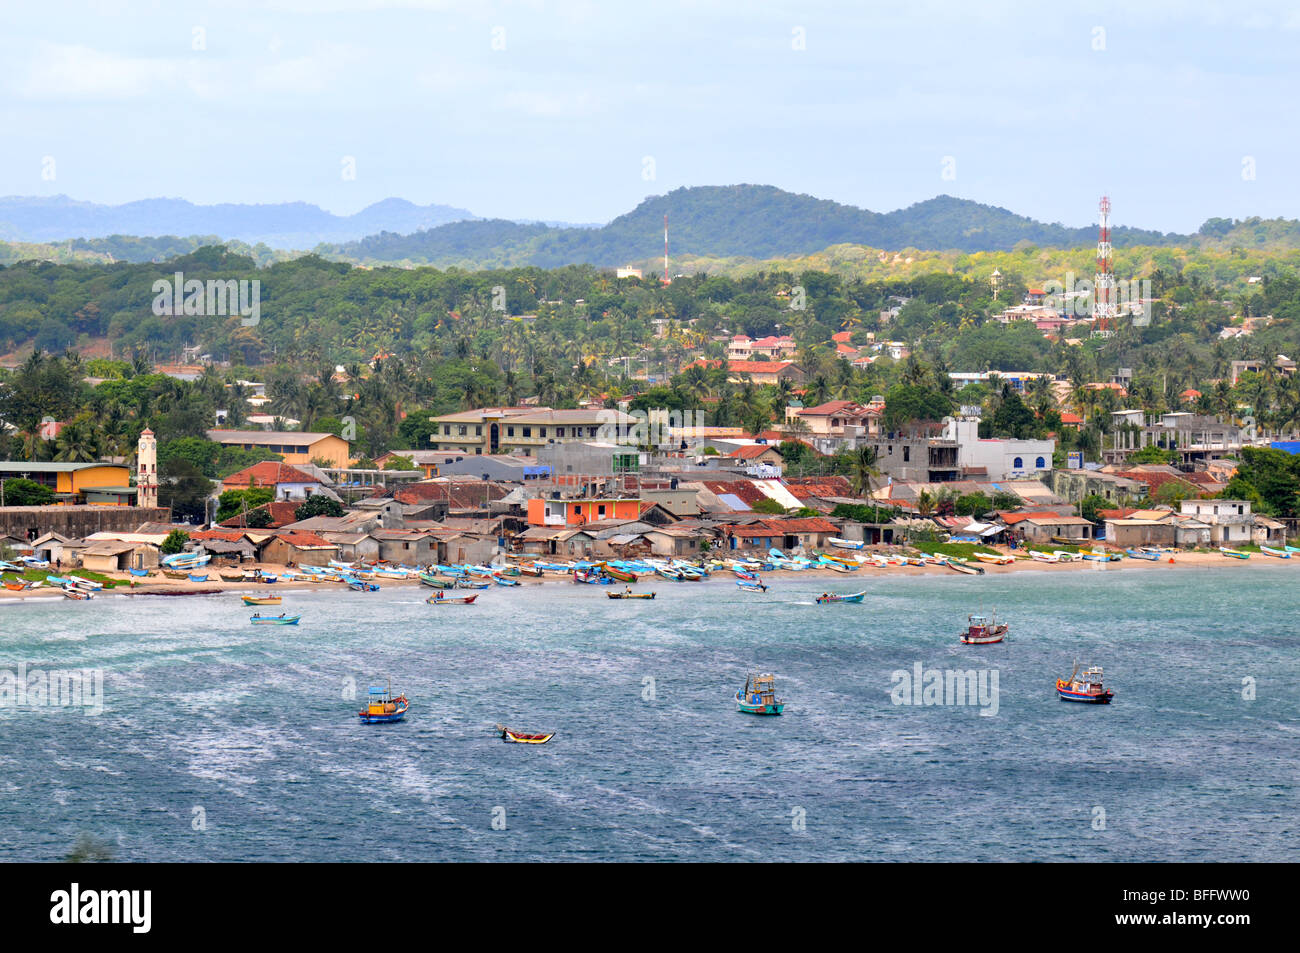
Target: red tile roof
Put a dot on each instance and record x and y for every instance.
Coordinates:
(268, 473)
(230, 536)
(302, 539)
(743, 489)
(803, 487)
(1012, 518)
(758, 367)
(282, 513)
(753, 451)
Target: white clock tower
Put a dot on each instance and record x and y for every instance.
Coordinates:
(146, 470)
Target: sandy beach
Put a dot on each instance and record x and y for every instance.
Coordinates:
(158, 585)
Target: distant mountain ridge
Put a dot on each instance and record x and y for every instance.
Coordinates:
(758, 222)
(290, 225)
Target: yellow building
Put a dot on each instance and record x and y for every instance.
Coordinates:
(503, 429)
(98, 484)
(295, 447)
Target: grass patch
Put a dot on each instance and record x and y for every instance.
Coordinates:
(963, 550)
(40, 575)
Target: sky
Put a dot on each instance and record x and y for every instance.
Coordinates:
(576, 111)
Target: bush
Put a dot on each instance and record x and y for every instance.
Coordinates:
(175, 542)
(318, 505)
(23, 492)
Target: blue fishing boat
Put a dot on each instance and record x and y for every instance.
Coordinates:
(383, 706)
(758, 697)
(834, 597)
(360, 585)
(1142, 554)
(202, 578)
(503, 581)
(281, 619)
(755, 586)
(139, 573)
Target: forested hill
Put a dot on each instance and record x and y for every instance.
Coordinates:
(756, 221)
(284, 225)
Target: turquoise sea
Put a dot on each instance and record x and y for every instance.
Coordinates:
(221, 741)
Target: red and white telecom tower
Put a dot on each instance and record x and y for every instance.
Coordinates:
(1103, 289)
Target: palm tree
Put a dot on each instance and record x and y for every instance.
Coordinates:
(865, 472)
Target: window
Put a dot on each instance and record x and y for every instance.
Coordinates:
(601, 510)
(1017, 464)
(907, 454)
(478, 431)
(462, 430)
(1040, 463)
(528, 431)
(559, 432)
(510, 431)
(591, 431)
(446, 430)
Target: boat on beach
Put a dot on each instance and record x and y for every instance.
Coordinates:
(1278, 553)
(983, 630)
(960, 565)
(1142, 554)
(998, 559)
(618, 573)
(758, 697)
(524, 738)
(73, 593)
(280, 619)
(1042, 557)
(383, 706)
(1234, 553)
(1085, 688)
(835, 597)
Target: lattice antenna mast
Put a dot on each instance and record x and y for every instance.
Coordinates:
(1103, 295)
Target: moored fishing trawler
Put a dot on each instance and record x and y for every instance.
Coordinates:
(1085, 688)
(983, 630)
(383, 706)
(758, 697)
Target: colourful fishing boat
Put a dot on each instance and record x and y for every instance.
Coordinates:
(1085, 688)
(72, 593)
(960, 565)
(202, 578)
(1142, 554)
(630, 595)
(383, 706)
(1234, 553)
(754, 586)
(981, 630)
(592, 577)
(758, 697)
(614, 572)
(438, 599)
(834, 597)
(261, 600)
(745, 575)
(359, 585)
(280, 619)
(524, 738)
(998, 559)
(1270, 551)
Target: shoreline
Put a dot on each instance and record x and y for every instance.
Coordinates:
(173, 587)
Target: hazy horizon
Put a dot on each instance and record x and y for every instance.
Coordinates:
(575, 112)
